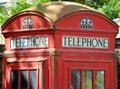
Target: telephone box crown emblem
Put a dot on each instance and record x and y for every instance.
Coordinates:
(86, 23)
(27, 23)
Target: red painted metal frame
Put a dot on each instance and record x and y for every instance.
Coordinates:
(59, 60)
(71, 57)
(15, 22)
(42, 26)
(25, 66)
(93, 67)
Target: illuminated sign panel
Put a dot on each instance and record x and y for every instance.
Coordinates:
(84, 42)
(29, 42)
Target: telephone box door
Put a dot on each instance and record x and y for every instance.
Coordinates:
(25, 75)
(86, 75)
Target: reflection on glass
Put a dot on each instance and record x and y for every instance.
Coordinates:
(75, 79)
(24, 78)
(87, 79)
(33, 79)
(99, 79)
(14, 79)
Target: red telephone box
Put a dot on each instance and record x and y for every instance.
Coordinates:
(75, 51)
(29, 42)
(86, 50)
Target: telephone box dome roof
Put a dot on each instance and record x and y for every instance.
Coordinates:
(56, 10)
(48, 15)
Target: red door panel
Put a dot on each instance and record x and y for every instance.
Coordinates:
(86, 75)
(24, 75)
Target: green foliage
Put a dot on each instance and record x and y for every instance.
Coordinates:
(95, 3)
(23, 4)
(111, 9)
(17, 6)
(3, 14)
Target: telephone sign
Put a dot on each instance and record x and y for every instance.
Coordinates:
(28, 42)
(84, 42)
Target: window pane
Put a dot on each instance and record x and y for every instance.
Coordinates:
(75, 79)
(24, 78)
(99, 79)
(87, 79)
(33, 79)
(14, 79)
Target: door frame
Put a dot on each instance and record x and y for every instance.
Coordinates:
(26, 66)
(85, 65)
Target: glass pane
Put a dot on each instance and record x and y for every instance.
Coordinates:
(43, 76)
(14, 79)
(33, 79)
(99, 79)
(87, 79)
(24, 78)
(75, 79)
